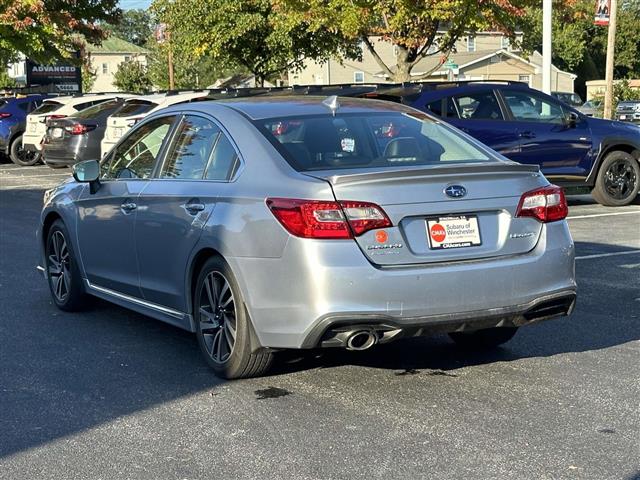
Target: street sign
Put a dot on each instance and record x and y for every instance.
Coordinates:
(603, 11)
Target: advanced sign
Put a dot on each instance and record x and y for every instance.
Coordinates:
(59, 77)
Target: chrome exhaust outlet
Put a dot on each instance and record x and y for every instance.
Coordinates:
(361, 340)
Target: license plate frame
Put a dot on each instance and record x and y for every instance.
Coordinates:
(454, 227)
(57, 132)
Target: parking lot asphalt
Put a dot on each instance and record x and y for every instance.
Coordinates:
(109, 394)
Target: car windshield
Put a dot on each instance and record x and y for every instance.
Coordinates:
(134, 107)
(97, 109)
(47, 107)
(367, 141)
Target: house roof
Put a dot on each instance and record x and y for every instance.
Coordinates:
(115, 44)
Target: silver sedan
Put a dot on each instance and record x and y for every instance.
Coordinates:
(302, 222)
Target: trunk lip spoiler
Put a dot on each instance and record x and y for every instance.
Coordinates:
(360, 175)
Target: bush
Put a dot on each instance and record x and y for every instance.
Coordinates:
(132, 76)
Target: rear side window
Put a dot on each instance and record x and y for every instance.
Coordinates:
(224, 160)
(98, 109)
(135, 107)
(443, 107)
(367, 141)
(478, 106)
(191, 149)
(47, 107)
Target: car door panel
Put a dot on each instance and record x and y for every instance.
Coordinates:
(175, 208)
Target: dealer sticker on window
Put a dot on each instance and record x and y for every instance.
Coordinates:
(453, 232)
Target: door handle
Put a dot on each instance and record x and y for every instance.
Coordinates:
(194, 208)
(527, 134)
(128, 206)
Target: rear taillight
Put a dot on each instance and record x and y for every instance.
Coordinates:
(4, 115)
(546, 204)
(326, 219)
(79, 129)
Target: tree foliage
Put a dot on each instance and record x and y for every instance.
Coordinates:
(49, 30)
(412, 26)
(132, 76)
(255, 35)
(135, 26)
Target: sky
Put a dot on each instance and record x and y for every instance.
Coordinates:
(130, 4)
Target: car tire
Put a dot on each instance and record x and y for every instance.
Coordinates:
(20, 156)
(219, 311)
(484, 339)
(618, 180)
(61, 268)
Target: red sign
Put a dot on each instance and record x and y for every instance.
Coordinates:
(603, 7)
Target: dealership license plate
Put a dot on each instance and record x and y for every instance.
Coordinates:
(623, 117)
(453, 232)
(56, 133)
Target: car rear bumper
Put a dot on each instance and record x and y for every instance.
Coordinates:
(32, 142)
(303, 299)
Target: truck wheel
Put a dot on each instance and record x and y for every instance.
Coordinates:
(618, 180)
(20, 156)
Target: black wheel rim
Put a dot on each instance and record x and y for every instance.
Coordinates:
(217, 317)
(620, 179)
(26, 156)
(58, 266)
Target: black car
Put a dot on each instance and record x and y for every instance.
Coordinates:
(75, 138)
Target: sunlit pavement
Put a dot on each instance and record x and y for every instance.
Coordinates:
(112, 394)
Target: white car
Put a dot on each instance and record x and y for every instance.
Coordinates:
(57, 107)
(137, 108)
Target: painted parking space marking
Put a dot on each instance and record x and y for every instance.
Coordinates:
(594, 215)
(610, 254)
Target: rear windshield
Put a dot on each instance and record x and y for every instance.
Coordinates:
(97, 109)
(367, 141)
(135, 107)
(47, 107)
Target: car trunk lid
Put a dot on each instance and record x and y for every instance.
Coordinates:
(431, 226)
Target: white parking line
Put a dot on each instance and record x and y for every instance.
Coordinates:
(18, 187)
(635, 212)
(64, 174)
(611, 254)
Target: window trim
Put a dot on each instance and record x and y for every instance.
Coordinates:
(354, 77)
(240, 162)
(471, 40)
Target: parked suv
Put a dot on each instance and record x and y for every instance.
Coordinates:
(13, 114)
(530, 127)
(628, 111)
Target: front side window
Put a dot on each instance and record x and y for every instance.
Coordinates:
(191, 148)
(530, 107)
(367, 141)
(478, 106)
(136, 156)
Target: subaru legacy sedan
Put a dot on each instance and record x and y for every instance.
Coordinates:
(291, 223)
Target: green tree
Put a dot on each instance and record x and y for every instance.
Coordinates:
(412, 26)
(88, 77)
(256, 35)
(50, 30)
(6, 80)
(134, 26)
(132, 76)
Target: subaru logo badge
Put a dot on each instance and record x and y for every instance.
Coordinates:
(455, 191)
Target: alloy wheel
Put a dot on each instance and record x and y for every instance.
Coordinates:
(217, 317)
(58, 266)
(620, 179)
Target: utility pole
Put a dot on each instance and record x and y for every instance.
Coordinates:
(547, 7)
(611, 46)
(170, 62)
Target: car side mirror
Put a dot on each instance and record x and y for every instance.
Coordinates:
(88, 172)
(572, 119)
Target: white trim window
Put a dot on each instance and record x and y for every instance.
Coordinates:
(358, 77)
(471, 44)
(105, 68)
(505, 43)
(525, 78)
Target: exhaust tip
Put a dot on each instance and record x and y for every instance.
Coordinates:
(361, 340)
